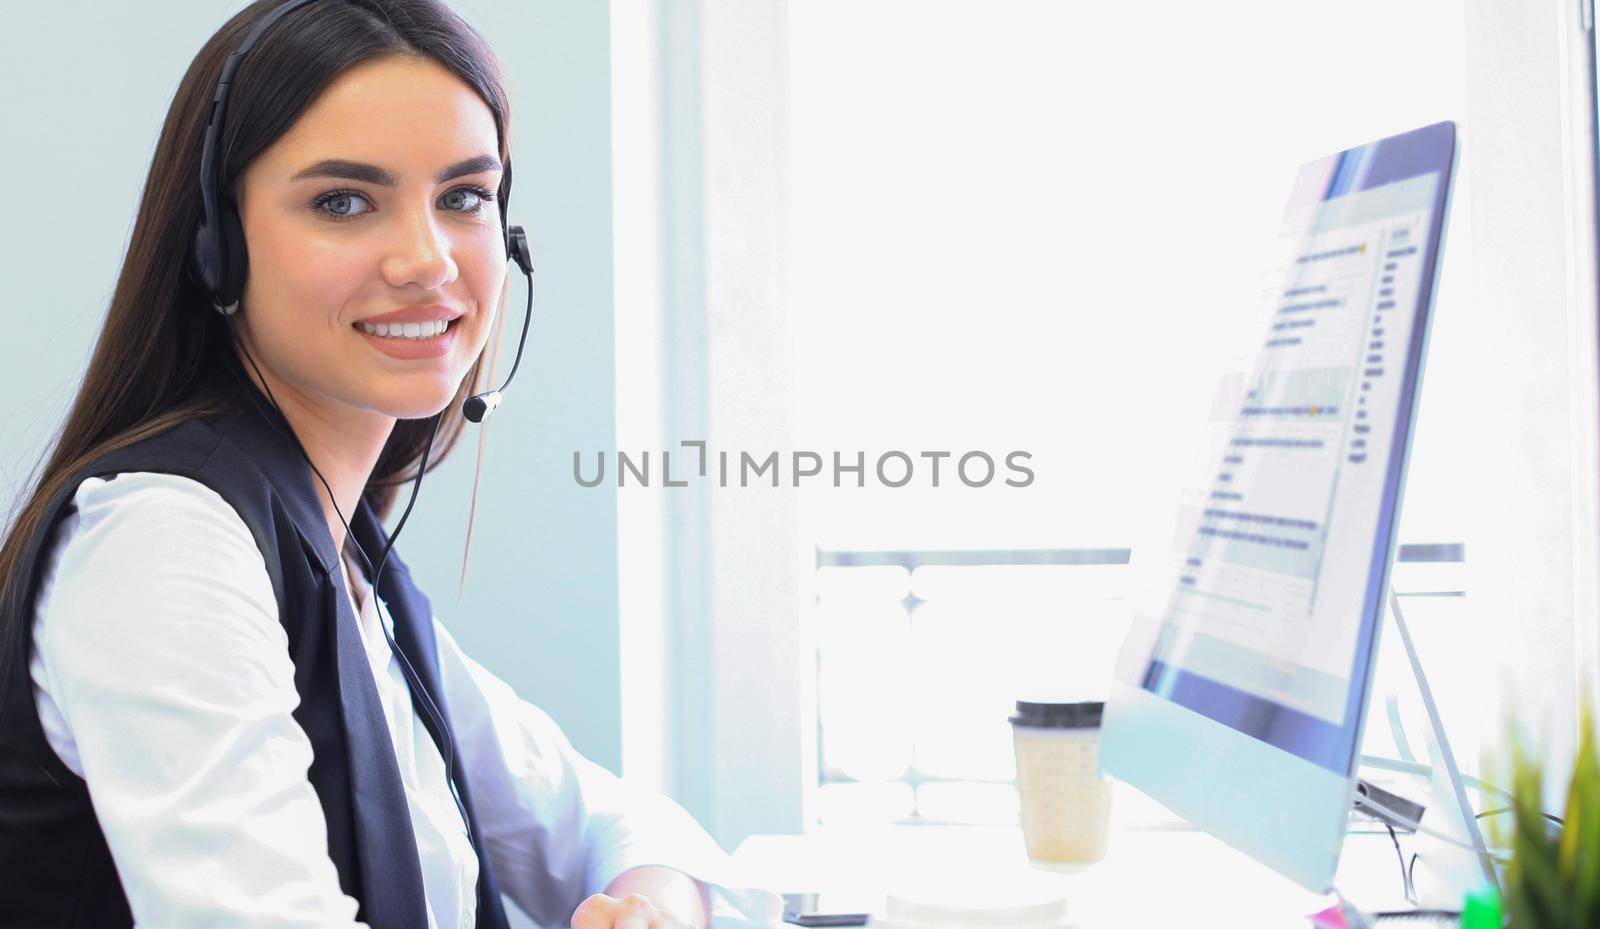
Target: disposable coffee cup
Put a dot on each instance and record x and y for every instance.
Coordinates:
(1065, 801)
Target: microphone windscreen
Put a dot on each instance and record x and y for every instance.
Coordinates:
(479, 406)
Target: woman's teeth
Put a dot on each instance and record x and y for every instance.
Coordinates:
(406, 330)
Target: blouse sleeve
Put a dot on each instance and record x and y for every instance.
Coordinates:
(163, 678)
(559, 827)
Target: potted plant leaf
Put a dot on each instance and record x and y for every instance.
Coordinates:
(1553, 878)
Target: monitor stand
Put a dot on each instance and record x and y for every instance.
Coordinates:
(1447, 788)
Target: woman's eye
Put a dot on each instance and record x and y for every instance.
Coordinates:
(466, 199)
(339, 205)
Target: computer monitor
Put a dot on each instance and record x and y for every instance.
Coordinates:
(1242, 708)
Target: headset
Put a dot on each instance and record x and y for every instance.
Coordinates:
(218, 265)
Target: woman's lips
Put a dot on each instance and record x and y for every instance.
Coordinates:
(411, 349)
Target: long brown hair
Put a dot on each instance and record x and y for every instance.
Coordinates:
(162, 356)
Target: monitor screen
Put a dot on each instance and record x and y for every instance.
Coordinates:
(1271, 623)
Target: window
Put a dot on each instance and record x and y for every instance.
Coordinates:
(1044, 227)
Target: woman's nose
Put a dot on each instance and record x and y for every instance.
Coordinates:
(420, 255)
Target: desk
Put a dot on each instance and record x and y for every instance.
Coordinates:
(1155, 874)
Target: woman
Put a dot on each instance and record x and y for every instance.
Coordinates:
(207, 717)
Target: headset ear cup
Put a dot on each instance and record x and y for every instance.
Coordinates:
(205, 260)
(519, 249)
(234, 259)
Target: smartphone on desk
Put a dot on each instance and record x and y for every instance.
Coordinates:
(820, 910)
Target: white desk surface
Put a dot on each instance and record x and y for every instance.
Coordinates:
(1152, 876)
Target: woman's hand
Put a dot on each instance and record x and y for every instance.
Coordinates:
(635, 911)
(646, 897)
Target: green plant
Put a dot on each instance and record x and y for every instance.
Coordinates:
(1553, 878)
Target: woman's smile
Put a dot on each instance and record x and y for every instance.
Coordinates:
(410, 341)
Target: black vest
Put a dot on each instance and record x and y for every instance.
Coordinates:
(55, 868)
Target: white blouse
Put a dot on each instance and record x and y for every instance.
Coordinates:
(179, 719)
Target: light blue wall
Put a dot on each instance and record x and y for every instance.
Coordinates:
(86, 88)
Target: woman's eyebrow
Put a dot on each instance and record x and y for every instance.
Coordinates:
(372, 174)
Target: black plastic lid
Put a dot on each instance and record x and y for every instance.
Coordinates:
(1084, 715)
